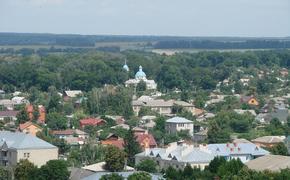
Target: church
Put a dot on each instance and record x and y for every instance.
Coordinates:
(139, 76)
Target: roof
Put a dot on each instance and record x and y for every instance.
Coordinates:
(79, 173)
(140, 74)
(269, 139)
(19, 140)
(73, 93)
(8, 113)
(269, 162)
(241, 140)
(182, 153)
(91, 121)
(69, 132)
(228, 149)
(98, 175)
(99, 167)
(6, 102)
(119, 143)
(178, 120)
(143, 139)
(27, 124)
(247, 98)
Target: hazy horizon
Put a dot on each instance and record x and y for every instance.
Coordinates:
(187, 18)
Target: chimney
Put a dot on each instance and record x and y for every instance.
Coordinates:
(228, 145)
(239, 149)
(232, 149)
(235, 144)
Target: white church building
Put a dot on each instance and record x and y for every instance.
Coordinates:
(140, 76)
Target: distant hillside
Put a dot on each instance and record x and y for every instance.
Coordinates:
(159, 42)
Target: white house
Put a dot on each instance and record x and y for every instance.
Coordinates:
(176, 124)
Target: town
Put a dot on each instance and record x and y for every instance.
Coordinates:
(227, 119)
(144, 90)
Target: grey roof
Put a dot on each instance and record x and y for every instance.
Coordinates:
(238, 148)
(178, 120)
(181, 153)
(269, 162)
(98, 175)
(19, 140)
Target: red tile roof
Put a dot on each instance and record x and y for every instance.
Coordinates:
(114, 142)
(64, 132)
(26, 125)
(91, 122)
(145, 140)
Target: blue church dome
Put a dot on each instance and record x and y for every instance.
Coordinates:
(125, 67)
(140, 74)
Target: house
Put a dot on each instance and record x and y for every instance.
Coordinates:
(11, 115)
(268, 141)
(250, 100)
(200, 136)
(249, 111)
(91, 122)
(280, 112)
(19, 100)
(148, 121)
(245, 81)
(124, 126)
(176, 124)
(114, 140)
(161, 106)
(273, 163)
(7, 104)
(62, 134)
(244, 151)
(41, 113)
(71, 94)
(177, 155)
(100, 167)
(72, 136)
(29, 128)
(145, 140)
(284, 72)
(17, 146)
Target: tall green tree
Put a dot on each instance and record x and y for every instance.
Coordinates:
(147, 165)
(131, 146)
(25, 170)
(56, 121)
(115, 159)
(54, 169)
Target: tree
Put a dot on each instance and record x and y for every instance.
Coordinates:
(216, 134)
(171, 173)
(54, 169)
(140, 176)
(230, 168)
(113, 176)
(215, 164)
(56, 121)
(5, 174)
(54, 100)
(25, 170)
(131, 146)
(22, 116)
(147, 165)
(141, 86)
(279, 149)
(115, 159)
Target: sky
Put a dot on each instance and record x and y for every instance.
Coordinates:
(246, 18)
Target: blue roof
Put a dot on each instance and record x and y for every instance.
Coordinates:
(140, 74)
(19, 140)
(178, 120)
(125, 67)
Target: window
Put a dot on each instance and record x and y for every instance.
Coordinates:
(26, 155)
